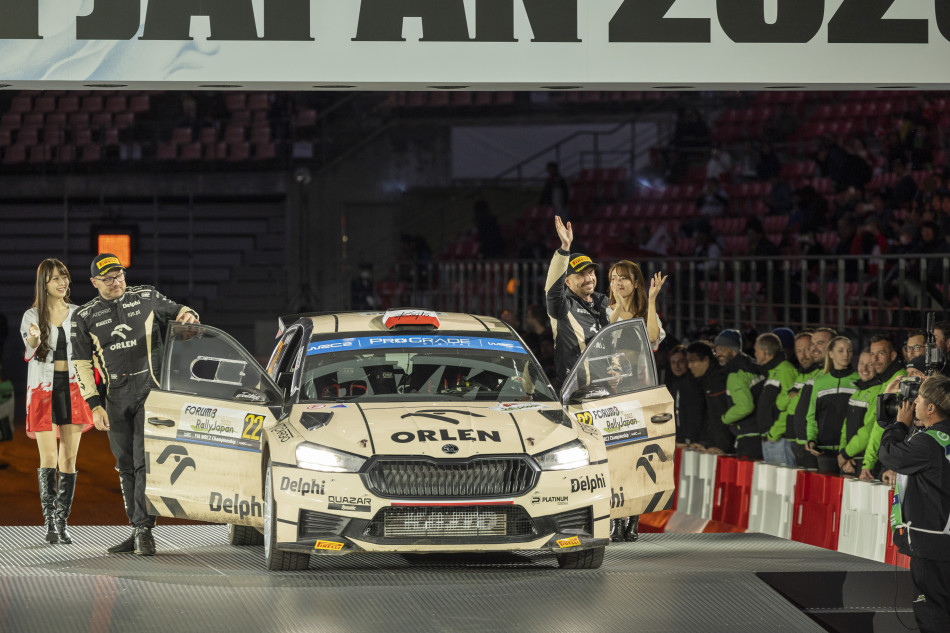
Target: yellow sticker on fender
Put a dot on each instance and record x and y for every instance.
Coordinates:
(330, 545)
(569, 542)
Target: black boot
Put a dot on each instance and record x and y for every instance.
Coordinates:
(632, 532)
(48, 500)
(125, 547)
(144, 543)
(616, 530)
(64, 502)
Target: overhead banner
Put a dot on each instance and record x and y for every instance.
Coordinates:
(475, 44)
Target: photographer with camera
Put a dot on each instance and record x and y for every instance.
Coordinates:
(920, 516)
(872, 468)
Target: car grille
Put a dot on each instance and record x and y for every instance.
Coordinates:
(579, 520)
(314, 524)
(425, 478)
(451, 522)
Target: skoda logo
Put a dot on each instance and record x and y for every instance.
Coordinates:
(451, 449)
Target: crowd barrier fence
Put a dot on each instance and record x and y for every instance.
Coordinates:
(829, 511)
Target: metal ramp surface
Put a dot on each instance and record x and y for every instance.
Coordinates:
(663, 582)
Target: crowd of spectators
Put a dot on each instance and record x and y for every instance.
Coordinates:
(806, 398)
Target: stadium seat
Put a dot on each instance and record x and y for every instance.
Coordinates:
(265, 150)
(117, 103)
(239, 151)
(90, 153)
(21, 104)
(92, 103)
(191, 151)
(258, 101)
(166, 151)
(138, 103)
(14, 155)
(235, 101)
(44, 104)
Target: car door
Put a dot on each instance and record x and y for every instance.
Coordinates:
(614, 387)
(204, 429)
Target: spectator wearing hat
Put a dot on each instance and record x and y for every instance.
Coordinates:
(122, 328)
(743, 385)
(703, 366)
(771, 410)
(576, 310)
(787, 338)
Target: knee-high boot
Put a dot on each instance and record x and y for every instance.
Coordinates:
(47, 478)
(64, 502)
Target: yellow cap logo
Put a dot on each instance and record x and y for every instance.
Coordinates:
(108, 261)
(580, 260)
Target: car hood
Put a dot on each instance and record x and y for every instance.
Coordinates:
(439, 429)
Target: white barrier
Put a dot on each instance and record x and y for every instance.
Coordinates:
(773, 498)
(864, 519)
(696, 484)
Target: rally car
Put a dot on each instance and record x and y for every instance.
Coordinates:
(407, 431)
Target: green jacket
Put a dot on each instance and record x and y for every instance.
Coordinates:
(743, 383)
(855, 437)
(796, 423)
(773, 406)
(874, 445)
(829, 406)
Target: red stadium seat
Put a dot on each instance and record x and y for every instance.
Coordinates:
(100, 119)
(90, 153)
(139, 103)
(181, 135)
(21, 104)
(14, 155)
(65, 154)
(307, 117)
(92, 103)
(235, 101)
(265, 151)
(258, 101)
(44, 104)
(110, 137)
(239, 151)
(124, 120)
(191, 151)
(117, 103)
(166, 151)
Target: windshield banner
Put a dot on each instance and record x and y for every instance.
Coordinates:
(403, 342)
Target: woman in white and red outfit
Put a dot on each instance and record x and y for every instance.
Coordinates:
(55, 410)
(629, 299)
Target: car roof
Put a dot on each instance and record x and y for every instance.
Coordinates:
(340, 322)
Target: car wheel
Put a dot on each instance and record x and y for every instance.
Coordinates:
(241, 535)
(277, 560)
(584, 559)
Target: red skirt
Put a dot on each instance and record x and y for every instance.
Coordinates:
(39, 416)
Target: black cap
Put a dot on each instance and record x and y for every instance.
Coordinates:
(579, 262)
(103, 263)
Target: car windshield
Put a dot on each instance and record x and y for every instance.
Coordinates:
(422, 367)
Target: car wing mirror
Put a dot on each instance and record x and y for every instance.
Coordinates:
(589, 392)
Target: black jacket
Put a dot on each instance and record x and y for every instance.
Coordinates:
(689, 403)
(925, 493)
(574, 322)
(124, 335)
(715, 434)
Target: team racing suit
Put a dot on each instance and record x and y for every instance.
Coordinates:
(574, 322)
(124, 336)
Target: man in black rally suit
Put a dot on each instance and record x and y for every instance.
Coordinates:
(921, 514)
(577, 313)
(122, 329)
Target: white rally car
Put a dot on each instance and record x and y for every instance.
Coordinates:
(410, 432)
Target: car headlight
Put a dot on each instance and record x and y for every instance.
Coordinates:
(327, 460)
(565, 457)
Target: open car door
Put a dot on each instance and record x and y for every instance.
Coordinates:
(204, 429)
(614, 387)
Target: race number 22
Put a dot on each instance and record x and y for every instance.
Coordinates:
(252, 427)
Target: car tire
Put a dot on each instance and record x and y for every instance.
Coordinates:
(243, 535)
(275, 559)
(584, 559)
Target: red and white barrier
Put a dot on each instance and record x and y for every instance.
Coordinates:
(727, 494)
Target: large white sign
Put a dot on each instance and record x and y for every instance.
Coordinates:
(475, 44)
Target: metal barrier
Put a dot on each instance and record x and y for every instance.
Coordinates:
(860, 295)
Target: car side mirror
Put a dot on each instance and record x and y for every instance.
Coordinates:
(589, 392)
(249, 394)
